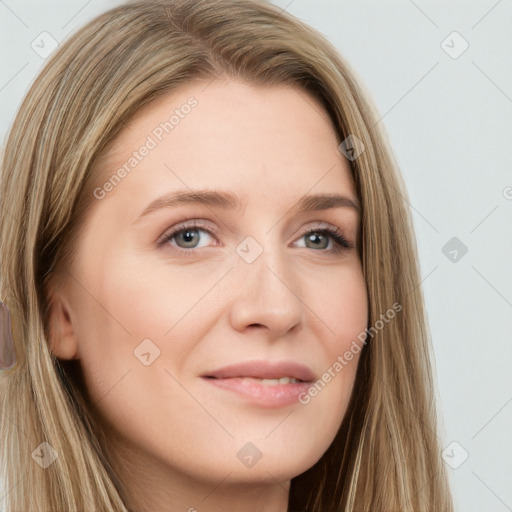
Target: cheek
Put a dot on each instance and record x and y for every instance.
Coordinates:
(343, 312)
(142, 317)
(342, 305)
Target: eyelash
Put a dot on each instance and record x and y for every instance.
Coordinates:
(340, 242)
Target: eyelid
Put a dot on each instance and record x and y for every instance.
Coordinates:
(187, 224)
(340, 242)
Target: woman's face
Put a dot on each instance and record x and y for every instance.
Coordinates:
(223, 258)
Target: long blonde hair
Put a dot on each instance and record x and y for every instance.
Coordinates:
(386, 455)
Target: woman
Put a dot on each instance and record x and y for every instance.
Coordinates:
(212, 277)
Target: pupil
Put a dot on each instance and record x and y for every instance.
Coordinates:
(189, 237)
(318, 240)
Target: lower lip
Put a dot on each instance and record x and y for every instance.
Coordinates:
(271, 397)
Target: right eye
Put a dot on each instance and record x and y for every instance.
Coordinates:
(188, 237)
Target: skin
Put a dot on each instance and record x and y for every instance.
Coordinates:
(175, 437)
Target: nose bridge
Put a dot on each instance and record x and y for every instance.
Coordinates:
(267, 293)
(270, 274)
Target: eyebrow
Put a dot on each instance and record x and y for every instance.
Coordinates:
(227, 200)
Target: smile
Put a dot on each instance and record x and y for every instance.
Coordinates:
(263, 384)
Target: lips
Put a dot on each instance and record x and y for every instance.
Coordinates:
(264, 370)
(263, 384)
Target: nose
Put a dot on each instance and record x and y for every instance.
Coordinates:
(266, 297)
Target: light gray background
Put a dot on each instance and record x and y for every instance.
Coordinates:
(450, 124)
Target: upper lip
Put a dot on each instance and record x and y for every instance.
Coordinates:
(264, 370)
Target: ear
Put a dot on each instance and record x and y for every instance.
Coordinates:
(63, 341)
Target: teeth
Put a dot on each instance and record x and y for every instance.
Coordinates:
(275, 382)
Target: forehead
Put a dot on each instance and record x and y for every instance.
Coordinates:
(229, 134)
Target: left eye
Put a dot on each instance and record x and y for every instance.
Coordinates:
(316, 240)
(326, 239)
